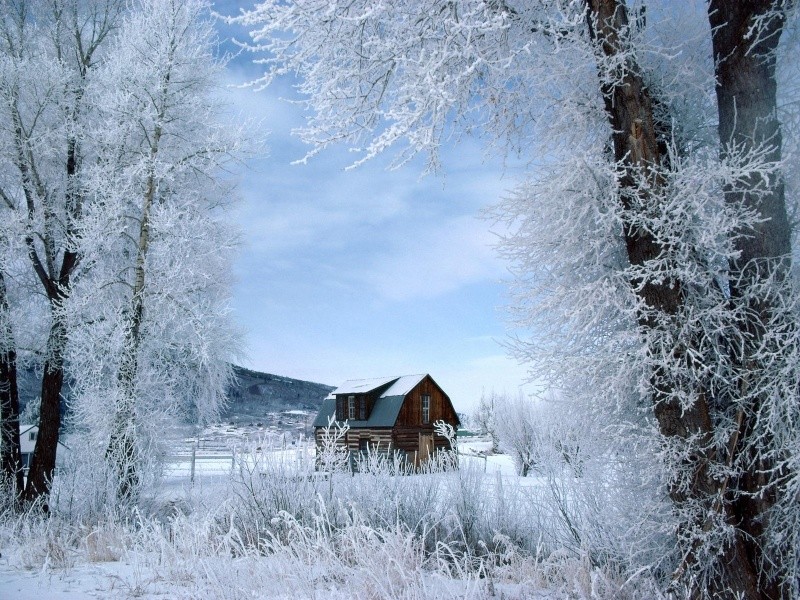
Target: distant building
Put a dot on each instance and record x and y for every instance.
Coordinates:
(390, 414)
(27, 443)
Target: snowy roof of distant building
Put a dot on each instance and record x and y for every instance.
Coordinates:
(385, 412)
(403, 385)
(400, 385)
(362, 386)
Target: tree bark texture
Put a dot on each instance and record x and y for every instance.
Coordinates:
(745, 37)
(629, 106)
(122, 444)
(56, 287)
(43, 464)
(10, 455)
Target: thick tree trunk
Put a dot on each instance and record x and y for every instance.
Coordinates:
(40, 474)
(54, 258)
(43, 464)
(744, 55)
(629, 107)
(10, 456)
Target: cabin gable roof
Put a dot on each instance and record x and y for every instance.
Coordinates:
(387, 405)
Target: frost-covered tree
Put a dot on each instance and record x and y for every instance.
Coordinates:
(517, 430)
(539, 434)
(113, 193)
(651, 239)
(158, 339)
(49, 54)
(486, 417)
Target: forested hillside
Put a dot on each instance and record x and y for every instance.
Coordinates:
(250, 395)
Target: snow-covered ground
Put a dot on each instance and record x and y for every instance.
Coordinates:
(365, 535)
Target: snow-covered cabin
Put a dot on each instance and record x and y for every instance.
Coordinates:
(390, 414)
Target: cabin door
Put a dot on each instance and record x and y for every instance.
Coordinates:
(425, 446)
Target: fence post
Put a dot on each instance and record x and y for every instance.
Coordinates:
(194, 455)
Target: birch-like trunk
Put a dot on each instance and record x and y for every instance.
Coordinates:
(122, 445)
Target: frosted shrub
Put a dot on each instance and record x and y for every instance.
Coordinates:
(105, 542)
(266, 483)
(82, 491)
(441, 534)
(32, 541)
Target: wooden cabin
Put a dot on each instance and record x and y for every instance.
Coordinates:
(390, 414)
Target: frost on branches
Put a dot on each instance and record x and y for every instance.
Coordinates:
(47, 57)
(651, 240)
(112, 151)
(161, 276)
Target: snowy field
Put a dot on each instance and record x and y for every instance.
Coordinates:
(258, 522)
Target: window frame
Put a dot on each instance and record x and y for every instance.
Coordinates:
(425, 405)
(351, 408)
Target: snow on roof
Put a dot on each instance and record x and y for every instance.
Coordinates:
(400, 385)
(403, 385)
(384, 413)
(362, 386)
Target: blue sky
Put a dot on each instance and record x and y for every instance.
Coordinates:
(368, 272)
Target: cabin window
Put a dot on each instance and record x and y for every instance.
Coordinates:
(32, 436)
(351, 407)
(426, 408)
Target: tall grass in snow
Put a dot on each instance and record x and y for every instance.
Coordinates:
(278, 528)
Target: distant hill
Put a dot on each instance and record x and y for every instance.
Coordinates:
(251, 394)
(255, 394)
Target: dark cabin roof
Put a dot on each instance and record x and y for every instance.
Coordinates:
(387, 406)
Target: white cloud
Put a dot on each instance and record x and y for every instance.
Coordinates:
(431, 259)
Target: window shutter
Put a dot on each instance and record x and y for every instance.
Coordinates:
(339, 408)
(362, 408)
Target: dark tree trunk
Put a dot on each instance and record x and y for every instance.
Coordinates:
(40, 474)
(11, 458)
(43, 464)
(747, 106)
(54, 260)
(629, 106)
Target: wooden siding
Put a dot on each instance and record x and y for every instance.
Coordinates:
(364, 405)
(441, 409)
(409, 430)
(410, 433)
(407, 438)
(379, 438)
